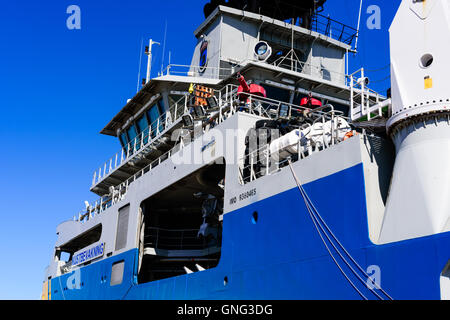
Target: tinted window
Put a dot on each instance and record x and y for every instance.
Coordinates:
(161, 106)
(142, 124)
(123, 139)
(132, 133)
(153, 116)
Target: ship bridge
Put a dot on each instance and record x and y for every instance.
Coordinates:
(145, 128)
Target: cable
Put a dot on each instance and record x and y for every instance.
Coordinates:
(335, 238)
(62, 289)
(326, 246)
(309, 203)
(343, 248)
(380, 69)
(328, 238)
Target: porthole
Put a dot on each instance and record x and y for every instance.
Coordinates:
(426, 61)
(255, 217)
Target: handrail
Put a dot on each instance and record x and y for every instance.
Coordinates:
(180, 239)
(142, 140)
(296, 65)
(196, 71)
(227, 98)
(365, 102)
(272, 161)
(333, 29)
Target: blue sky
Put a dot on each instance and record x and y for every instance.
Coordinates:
(59, 87)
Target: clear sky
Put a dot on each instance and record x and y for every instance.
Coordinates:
(59, 87)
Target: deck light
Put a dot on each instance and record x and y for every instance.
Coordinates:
(263, 51)
(364, 80)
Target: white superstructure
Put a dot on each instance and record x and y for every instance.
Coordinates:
(419, 203)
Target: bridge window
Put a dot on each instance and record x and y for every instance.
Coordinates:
(132, 133)
(147, 123)
(142, 125)
(123, 139)
(153, 115)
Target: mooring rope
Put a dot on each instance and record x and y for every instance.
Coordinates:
(315, 216)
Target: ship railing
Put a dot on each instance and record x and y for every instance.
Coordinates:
(293, 63)
(197, 71)
(225, 97)
(142, 141)
(155, 130)
(182, 239)
(151, 136)
(228, 105)
(334, 29)
(365, 103)
(262, 162)
(117, 193)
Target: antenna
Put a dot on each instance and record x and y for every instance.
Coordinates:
(140, 65)
(164, 48)
(359, 24)
(148, 52)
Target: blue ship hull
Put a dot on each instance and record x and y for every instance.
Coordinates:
(282, 256)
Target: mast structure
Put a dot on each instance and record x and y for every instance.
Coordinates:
(148, 52)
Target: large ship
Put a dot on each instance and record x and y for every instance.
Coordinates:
(264, 170)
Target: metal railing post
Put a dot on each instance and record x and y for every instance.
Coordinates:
(352, 103)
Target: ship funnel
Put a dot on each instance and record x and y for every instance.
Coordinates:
(419, 198)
